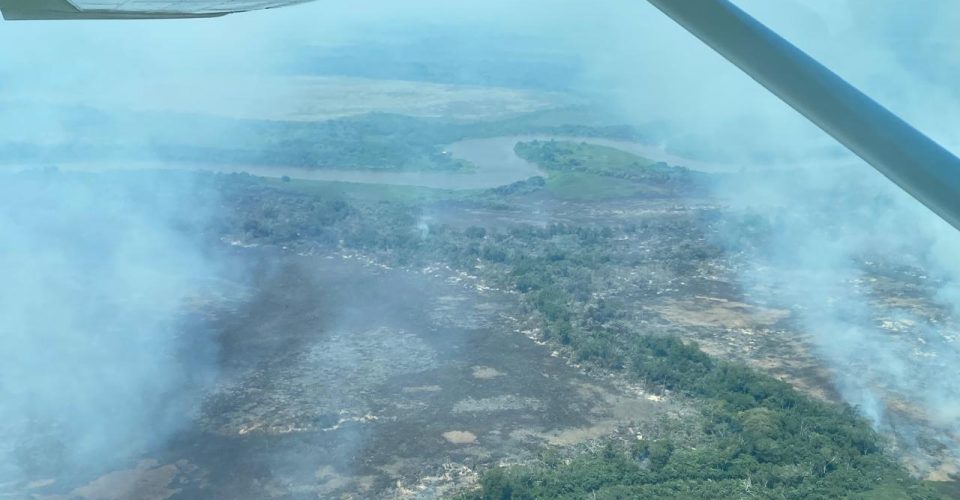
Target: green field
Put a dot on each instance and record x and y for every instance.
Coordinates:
(589, 172)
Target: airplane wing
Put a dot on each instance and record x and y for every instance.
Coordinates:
(130, 9)
(923, 168)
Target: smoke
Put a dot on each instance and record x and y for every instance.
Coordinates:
(645, 68)
(102, 359)
(873, 274)
(868, 272)
(99, 359)
(102, 354)
(96, 268)
(871, 277)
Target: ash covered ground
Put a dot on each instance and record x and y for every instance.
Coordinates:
(405, 302)
(342, 378)
(369, 342)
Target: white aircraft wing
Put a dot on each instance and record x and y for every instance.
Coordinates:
(923, 168)
(130, 9)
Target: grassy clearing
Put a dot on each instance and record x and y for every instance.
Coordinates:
(567, 156)
(589, 172)
(578, 186)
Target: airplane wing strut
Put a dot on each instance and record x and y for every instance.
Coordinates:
(19, 10)
(920, 166)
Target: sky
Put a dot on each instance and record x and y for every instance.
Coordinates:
(635, 61)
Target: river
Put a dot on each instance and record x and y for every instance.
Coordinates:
(496, 163)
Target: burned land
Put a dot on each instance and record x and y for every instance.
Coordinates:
(582, 332)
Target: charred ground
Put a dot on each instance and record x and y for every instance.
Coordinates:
(407, 341)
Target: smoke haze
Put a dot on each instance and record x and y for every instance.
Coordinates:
(100, 360)
(96, 270)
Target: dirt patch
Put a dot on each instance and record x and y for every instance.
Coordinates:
(146, 481)
(610, 413)
(717, 312)
(460, 437)
(486, 372)
(330, 481)
(450, 478)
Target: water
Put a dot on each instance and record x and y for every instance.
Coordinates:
(496, 163)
